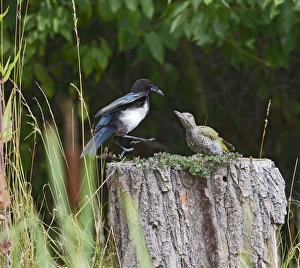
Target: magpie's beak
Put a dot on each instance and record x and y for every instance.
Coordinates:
(155, 89)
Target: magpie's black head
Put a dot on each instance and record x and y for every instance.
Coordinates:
(145, 85)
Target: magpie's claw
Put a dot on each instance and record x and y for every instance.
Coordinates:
(143, 140)
(125, 150)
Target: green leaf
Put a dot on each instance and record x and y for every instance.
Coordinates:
(188, 30)
(274, 11)
(223, 15)
(100, 58)
(200, 24)
(6, 133)
(131, 4)
(225, 3)
(3, 70)
(296, 5)
(10, 67)
(155, 46)
(196, 4)
(3, 14)
(169, 40)
(289, 42)
(204, 39)
(219, 28)
(278, 2)
(178, 20)
(66, 34)
(104, 10)
(148, 8)
(250, 43)
(275, 55)
(127, 39)
(85, 6)
(266, 2)
(105, 47)
(42, 22)
(179, 7)
(115, 5)
(56, 24)
(87, 60)
(207, 2)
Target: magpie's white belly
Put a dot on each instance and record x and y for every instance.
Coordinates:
(132, 117)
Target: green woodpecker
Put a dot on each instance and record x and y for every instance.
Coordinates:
(203, 139)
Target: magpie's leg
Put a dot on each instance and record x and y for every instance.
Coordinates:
(137, 139)
(125, 150)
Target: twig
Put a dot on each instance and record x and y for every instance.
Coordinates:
(264, 132)
(4, 195)
(289, 216)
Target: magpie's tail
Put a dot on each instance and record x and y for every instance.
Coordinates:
(99, 138)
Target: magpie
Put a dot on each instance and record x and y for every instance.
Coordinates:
(122, 116)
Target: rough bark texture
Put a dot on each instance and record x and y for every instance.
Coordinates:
(229, 220)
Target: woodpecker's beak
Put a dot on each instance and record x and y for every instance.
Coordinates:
(178, 113)
(155, 89)
(186, 119)
(181, 117)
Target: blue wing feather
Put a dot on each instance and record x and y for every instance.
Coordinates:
(99, 138)
(129, 98)
(105, 120)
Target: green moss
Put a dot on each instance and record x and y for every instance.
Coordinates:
(196, 164)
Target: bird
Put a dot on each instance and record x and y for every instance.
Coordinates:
(203, 139)
(121, 116)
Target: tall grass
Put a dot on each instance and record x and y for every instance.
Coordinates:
(290, 247)
(73, 238)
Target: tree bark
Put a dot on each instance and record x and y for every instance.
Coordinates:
(228, 220)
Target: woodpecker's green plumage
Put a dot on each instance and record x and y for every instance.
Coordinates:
(203, 139)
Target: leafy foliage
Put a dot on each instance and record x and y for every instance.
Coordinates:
(243, 30)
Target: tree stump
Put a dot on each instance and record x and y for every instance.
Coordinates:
(227, 220)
